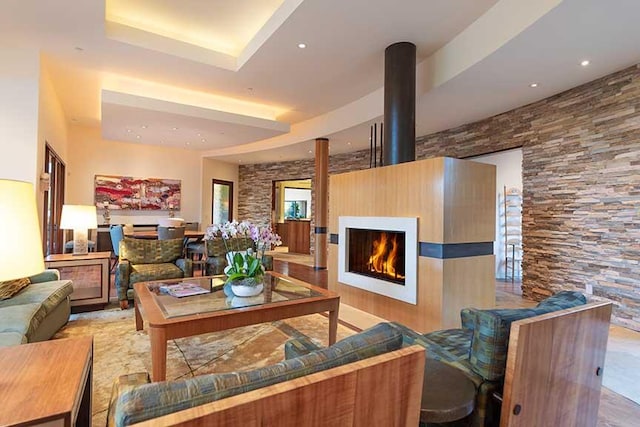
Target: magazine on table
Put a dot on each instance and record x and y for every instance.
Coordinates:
(180, 290)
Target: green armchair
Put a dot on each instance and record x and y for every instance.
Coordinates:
(144, 260)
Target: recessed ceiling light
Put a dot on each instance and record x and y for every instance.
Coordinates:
(199, 134)
(310, 151)
(188, 143)
(204, 140)
(348, 143)
(585, 63)
(129, 130)
(533, 85)
(144, 126)
(175, 128)
(137, 136)
(302, 45)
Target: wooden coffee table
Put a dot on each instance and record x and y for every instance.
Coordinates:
(169, 317)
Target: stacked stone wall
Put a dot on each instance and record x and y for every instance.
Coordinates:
(581, 186)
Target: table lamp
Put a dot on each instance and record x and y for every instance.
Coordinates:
(79, 218)
(21, 244)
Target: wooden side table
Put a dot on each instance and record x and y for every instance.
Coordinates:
(47, 382)
(447, 394)
(89, 274)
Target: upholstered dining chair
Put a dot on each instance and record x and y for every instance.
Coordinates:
(165, 233)
(142, 260)
(117, 234)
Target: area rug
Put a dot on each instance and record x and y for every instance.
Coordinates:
(119, 349)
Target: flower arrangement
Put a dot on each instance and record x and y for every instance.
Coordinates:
(245, 265)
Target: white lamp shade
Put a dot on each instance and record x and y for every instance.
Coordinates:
(20, 241)
(78, 217)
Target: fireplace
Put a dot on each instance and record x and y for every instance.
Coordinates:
(379, 254)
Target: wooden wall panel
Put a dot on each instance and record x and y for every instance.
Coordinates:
(469, 282)
(412, 189)
(469, 202)
(420, 189)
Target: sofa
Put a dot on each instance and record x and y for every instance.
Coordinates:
(37, 311)
(343, 372)
(141, 260)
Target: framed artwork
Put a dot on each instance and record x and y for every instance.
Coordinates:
(128, 193)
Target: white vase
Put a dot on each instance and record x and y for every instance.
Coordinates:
(246, 291)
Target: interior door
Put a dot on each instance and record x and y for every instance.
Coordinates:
(52, 235)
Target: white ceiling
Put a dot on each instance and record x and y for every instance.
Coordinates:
(476, 59)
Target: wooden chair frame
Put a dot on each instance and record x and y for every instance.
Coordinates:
(554, 368)
(384, 390)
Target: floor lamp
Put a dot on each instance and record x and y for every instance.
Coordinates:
(20, 241)
(79, 218)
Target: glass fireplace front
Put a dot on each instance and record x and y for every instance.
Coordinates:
(377, 253)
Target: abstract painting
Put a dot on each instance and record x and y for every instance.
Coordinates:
(128, 193)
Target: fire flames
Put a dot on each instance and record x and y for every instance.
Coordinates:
(384, 257)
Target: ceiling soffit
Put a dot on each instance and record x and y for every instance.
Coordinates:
(219, 33)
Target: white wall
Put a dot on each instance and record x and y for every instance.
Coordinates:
(508, 173)
(215, 169)
(90, 155)
(19, 80)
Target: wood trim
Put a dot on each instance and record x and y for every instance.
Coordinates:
(554, 368)
(383, 390)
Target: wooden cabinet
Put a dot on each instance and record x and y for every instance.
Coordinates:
(89, 273)
(298, 236)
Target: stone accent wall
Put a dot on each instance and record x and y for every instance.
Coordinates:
(581, 186)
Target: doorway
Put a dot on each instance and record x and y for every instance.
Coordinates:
(508, 241)
(53, 238)
(291, 214)
(221, 201)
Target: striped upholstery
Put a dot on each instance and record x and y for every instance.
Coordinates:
(479, 348)
(143, 260)
(490, 341)
(142, 402)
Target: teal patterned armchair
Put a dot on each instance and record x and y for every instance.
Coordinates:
(478, 349)
(143, 260)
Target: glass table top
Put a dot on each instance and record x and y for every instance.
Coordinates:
(218, 297)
